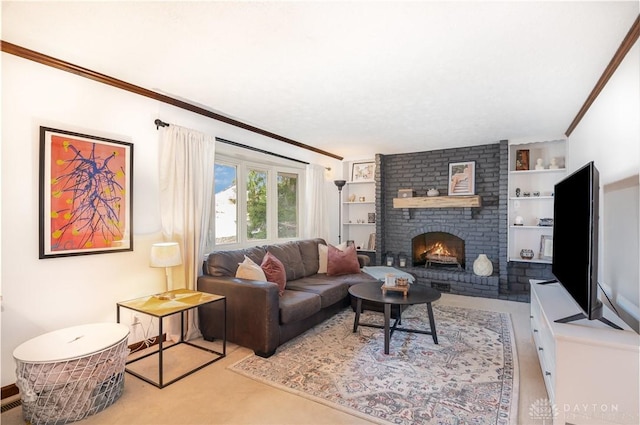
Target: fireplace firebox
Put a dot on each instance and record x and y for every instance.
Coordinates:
(438, 249)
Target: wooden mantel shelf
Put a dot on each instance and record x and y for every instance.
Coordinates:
(461, 201)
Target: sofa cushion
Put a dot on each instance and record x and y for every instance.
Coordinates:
(323, 251)
(289, 254)
(342, 262)
(225, 263)
(298, 305)
(331, 290)
(250, 270)
(274, 271)
(309, 252)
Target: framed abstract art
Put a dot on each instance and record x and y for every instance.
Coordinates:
(86, 198)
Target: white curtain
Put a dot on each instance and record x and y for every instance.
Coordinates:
(314, 204)
(186, 198)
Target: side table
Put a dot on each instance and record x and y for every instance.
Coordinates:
(167, 304)
(69, 374)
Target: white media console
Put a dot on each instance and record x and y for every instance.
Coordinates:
(591, 371)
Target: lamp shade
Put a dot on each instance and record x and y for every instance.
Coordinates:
(165, 254)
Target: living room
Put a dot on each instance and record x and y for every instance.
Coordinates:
(42, 295)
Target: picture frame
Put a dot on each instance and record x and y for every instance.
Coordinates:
(363, 171)
(86, 194)
(462, 178)
(546, 247)
(522, 160)
(371, 217)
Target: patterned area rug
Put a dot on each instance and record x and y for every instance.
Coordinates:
(470, 377)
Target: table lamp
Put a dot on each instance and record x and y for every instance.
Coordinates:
(167, 255)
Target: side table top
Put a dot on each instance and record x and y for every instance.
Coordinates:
(71, 343)
(170, 302)
(372, 291)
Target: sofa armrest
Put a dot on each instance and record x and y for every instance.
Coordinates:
(253, 310)
(364, 260)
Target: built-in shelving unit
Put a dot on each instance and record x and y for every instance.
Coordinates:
(531, 196)
(359, 211)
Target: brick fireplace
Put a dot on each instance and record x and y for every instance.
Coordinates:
(408, 232)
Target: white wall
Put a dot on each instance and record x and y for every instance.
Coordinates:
(39, 296)
(609, 134)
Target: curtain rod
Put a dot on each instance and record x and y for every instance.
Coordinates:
(25, 53)
(159, 123)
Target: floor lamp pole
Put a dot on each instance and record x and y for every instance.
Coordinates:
(340, 184)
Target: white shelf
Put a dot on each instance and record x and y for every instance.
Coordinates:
(361, 182)
(533, 260)
(359, 224)
(358, 202)
(523, 172)
(532, 227)
(355, 209)
(530, 198)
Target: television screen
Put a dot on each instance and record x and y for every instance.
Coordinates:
(575, 238)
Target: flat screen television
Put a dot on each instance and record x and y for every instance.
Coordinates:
(575, 241)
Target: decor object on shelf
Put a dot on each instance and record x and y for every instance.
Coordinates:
(405, 193)
(536, 193)
(518, 221)
(546, 247)
(352, 197)
(522, 160)
(362, 199)
(371, 246)
(363, 171)
(517, 192)
(526, 194)
(340, 184)
(167, 255)
(462, 176)
(539, 164)
(86, 201)
(545, 222)
(371, 217)
(526, 254)
(553, 165)
(482, 266)
(433, 192)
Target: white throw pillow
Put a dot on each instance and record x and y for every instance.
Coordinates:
(323, 251)
(248, 269)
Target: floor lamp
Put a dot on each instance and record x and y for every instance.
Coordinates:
(340, 184)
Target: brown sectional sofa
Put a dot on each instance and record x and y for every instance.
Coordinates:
(257, 317)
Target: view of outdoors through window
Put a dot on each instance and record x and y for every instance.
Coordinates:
(270, 210)
(287, 205)
(256, 204)
(225, 204)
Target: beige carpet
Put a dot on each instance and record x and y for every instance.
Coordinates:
(217, 395)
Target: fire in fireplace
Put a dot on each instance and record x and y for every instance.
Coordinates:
(438, 249)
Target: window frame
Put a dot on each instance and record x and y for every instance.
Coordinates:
(244, 162)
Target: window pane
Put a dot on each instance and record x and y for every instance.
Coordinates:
(287, 205)
(226, 228)
(256, 205)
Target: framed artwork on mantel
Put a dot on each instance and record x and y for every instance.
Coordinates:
(86, 199)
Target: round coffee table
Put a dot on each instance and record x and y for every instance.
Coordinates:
(372, 291)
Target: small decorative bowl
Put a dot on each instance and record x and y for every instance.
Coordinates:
(402, 281)
(526, 254)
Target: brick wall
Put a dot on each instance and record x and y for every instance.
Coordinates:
(483, 229)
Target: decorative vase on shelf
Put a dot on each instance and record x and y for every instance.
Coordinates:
(433, 192)
(526, 254)
(482, 266)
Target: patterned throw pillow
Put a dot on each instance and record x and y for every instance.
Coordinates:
(275, 272)
(250, 270)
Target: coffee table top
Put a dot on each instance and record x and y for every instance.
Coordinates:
(372, 291)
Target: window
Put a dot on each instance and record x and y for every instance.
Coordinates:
(266, 209)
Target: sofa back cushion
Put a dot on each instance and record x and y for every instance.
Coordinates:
(289, 254)
(225, 263)
(309, 253)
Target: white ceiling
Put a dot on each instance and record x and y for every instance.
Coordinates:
(350, 78)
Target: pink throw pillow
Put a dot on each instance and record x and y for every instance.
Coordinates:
(275, 272)
(342, 262)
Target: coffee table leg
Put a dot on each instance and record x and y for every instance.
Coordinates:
(432, 323)
(356, 321)
(387, 331)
